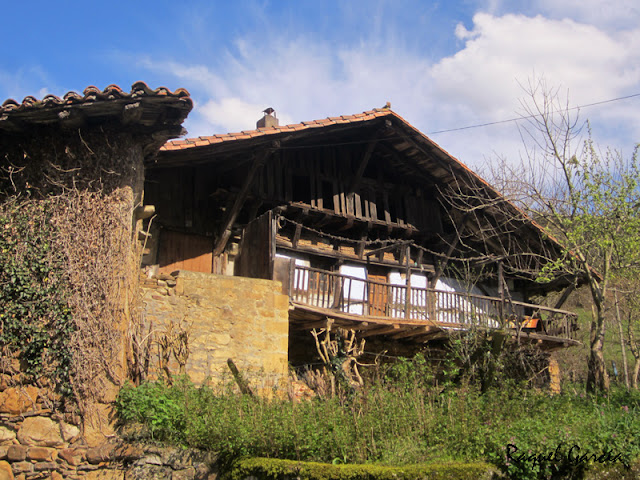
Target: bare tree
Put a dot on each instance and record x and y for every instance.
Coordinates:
(586, 200)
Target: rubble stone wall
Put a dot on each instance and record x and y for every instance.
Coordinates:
(111, 461)
(38, 443)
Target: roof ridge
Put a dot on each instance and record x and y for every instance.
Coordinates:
(91, 94)
(184, 143)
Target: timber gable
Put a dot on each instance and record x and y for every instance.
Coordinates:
(358, 216)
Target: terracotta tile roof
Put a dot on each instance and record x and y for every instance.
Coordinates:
(156, 115)
(92, 94)
(184, 144)
(246, 134)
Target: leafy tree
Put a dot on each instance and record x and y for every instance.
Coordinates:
(587, 199)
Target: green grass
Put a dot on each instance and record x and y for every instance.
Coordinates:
(394, 423)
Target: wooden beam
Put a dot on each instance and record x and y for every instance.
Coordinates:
(309, 325)
(355, 182)
(390, 247)
(382, 330)
(565, 295)
(414, 332)
(232, 214)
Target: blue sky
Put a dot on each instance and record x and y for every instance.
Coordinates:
(442, 65)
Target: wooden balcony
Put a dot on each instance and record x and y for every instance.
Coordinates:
(345, 297)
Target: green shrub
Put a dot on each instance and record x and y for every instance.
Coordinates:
(153, 404)
(272, 469)
(391, 424)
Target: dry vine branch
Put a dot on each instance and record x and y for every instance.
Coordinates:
(340, 354)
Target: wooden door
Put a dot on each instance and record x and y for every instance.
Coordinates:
(378, 295)
(182, 251)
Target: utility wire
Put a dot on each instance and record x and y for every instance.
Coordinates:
(468, 127)
(532, 116)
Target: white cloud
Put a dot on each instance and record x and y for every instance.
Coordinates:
(27, 81)
(500, 51)
(231, 114)
(611, 16)
(302, 80)
(482, 79)
(304, 77)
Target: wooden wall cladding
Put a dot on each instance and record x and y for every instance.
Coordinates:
(257, 249)
(321, 178)
(182, 251)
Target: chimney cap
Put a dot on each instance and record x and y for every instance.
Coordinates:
(269, 119)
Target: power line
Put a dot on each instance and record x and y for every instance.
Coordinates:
(510, 120)
(457, 129)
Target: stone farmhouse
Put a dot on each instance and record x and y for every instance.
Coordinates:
(359, 222)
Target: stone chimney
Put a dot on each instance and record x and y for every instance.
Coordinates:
(269, 120)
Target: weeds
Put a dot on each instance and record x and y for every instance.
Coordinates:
(396, 421)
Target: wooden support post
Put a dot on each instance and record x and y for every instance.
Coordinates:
(443, 263)
(407, 300)
(501, 290)
(361, 245)
(232, 214)
(292, 276)
(296, 235)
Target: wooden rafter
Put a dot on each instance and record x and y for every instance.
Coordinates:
(232, 214)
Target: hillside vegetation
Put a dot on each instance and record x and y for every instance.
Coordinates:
(401, 418)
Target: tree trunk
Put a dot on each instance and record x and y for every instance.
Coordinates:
(597, 378)
(636, 372)
(623, 348)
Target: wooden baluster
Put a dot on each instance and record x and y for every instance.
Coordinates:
(297, 280)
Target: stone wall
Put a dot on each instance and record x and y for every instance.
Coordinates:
(242, 319)
(34, 441)
(38, 443)
(111, 461)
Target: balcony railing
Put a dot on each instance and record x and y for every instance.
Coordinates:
(351, 295)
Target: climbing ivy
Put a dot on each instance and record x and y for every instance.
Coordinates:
(36, 322)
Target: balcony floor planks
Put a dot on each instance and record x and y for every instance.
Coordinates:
(306, 317)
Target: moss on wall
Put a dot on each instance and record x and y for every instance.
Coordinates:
(273, 469)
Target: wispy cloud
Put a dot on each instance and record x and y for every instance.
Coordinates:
(306, 76)
(29, 80)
